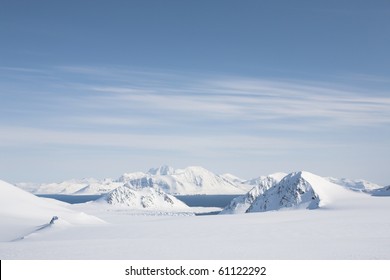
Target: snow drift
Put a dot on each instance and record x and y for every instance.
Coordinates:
(21, 210)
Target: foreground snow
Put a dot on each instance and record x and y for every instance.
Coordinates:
(22, 214)
(358, 230)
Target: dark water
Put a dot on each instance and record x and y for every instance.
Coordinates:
(190, 200)
(72, 199)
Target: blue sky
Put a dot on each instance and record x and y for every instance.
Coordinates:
(98, 88)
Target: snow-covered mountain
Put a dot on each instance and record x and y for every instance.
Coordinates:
(355, 185)
(295, 190)
(300, 190)
(188, 181)
(148, 198)
(86, 186)
(242, 203)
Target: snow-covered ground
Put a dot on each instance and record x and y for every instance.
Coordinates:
(360, 231)
(23, 215)
(346, 225)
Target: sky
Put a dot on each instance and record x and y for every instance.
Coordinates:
(99, 88)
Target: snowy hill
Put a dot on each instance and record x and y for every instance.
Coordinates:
(188, 181)
(20, 210)
(242, 203)
(355, 185)
(148, 198)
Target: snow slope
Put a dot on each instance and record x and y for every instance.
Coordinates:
(232, 178)
(21, 212)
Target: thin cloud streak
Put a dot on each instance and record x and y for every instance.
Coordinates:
(154, 101)
(257, 100)
(24, 136)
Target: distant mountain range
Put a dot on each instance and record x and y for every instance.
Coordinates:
(188, 181)
(155, 189)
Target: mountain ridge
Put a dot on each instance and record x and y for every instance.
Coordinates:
(186, 181)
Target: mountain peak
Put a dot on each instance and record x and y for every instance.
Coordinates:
(292, 191)
(162, 170)
(241, 204)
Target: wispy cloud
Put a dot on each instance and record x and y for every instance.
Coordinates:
(119, 100)
(21, 136)
(253, 100)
